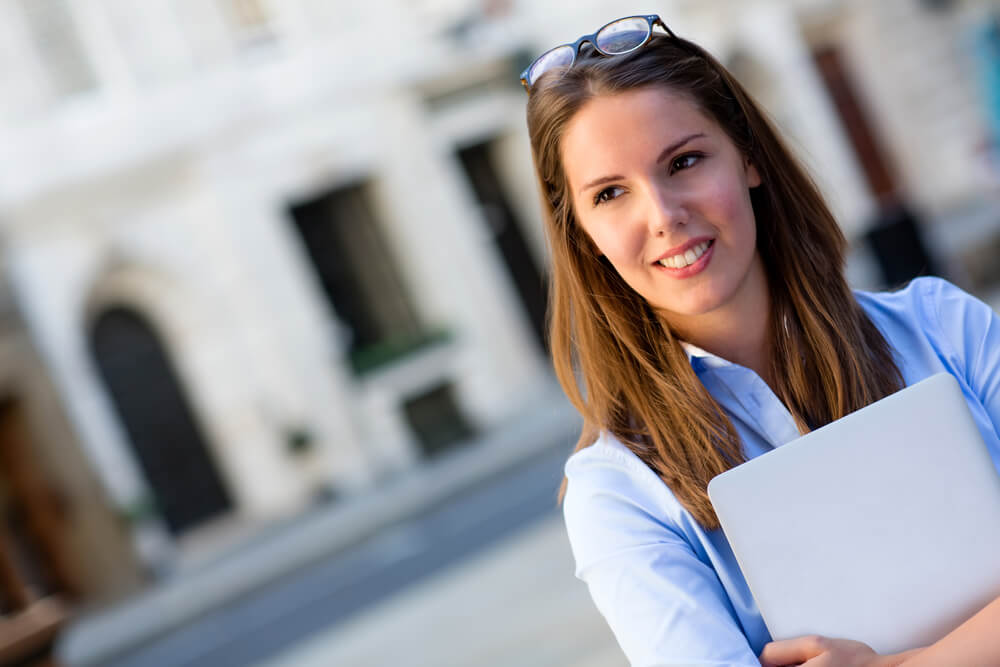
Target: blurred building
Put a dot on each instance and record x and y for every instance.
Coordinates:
(259, 272)
(262, 255)
(265, 258)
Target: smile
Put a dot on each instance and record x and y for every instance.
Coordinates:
(687, 258)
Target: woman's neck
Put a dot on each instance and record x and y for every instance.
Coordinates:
(739, 332)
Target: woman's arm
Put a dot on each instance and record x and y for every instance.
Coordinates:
(974, 643)
(664, 605)
(972, 330)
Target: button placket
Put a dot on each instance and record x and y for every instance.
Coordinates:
(776, 419)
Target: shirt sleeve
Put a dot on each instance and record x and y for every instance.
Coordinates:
(973, 332)
(663, 604)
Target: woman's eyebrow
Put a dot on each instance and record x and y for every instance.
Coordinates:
(664, 154)
(677, 144)
(600, 181)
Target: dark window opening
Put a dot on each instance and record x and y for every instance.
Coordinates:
(360, 278)
(528, 279)
(437, 420)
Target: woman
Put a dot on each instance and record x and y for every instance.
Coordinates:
(699, 318)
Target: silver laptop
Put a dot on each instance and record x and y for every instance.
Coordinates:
(882, 527)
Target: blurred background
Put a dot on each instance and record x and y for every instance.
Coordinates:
(272, 293)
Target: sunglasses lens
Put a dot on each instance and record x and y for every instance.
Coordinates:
(623, 35)
(561, 56)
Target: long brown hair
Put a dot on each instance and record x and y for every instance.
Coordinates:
(620, 364)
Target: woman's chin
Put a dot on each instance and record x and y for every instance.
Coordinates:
(691, 308)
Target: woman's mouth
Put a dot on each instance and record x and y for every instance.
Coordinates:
(689, 262)
(686, 258)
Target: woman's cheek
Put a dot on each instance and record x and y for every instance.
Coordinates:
(736, 214)
(615, 243)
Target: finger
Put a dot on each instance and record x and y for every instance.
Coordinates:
(791, 651)
(824, 660)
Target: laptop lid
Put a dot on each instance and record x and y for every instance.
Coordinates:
(882, 527)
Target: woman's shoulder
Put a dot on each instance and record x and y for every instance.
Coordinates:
(606, 458)
(931, 315)
(607, 473)
(614, 500)
(928, 302)
(918, 293)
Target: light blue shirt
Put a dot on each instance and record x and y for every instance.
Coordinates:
(671, 591)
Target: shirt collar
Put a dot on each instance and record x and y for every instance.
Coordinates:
(700, 358)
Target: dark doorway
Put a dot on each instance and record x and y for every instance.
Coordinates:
(896, 239)
(855, 121)
(158, 420)
(524, 272)
(359, 276)
(894, 234)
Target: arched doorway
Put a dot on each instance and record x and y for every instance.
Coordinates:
(157, 418)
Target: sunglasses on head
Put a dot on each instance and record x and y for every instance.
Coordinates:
(617, 38)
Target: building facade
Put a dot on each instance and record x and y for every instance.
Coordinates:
(268, 255)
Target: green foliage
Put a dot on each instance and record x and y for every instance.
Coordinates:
(369, 358)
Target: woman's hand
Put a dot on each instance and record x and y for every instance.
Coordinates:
(818, 651)
(975, 642)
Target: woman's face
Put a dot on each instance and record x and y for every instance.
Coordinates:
(665, 195)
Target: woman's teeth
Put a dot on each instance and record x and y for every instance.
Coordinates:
(687, 258)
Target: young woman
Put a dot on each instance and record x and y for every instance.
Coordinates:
(699, 318)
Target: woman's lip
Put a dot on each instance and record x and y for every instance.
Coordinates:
(684, 247)
(691, 269)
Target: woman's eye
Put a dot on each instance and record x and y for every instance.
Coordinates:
(684, 162)
(607, 194)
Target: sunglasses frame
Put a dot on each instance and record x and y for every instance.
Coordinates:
(652, 20)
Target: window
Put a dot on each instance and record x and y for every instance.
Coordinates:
(498, 214)
(360, 277)
(436, 420)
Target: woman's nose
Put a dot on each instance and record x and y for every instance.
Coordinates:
(663, 212)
